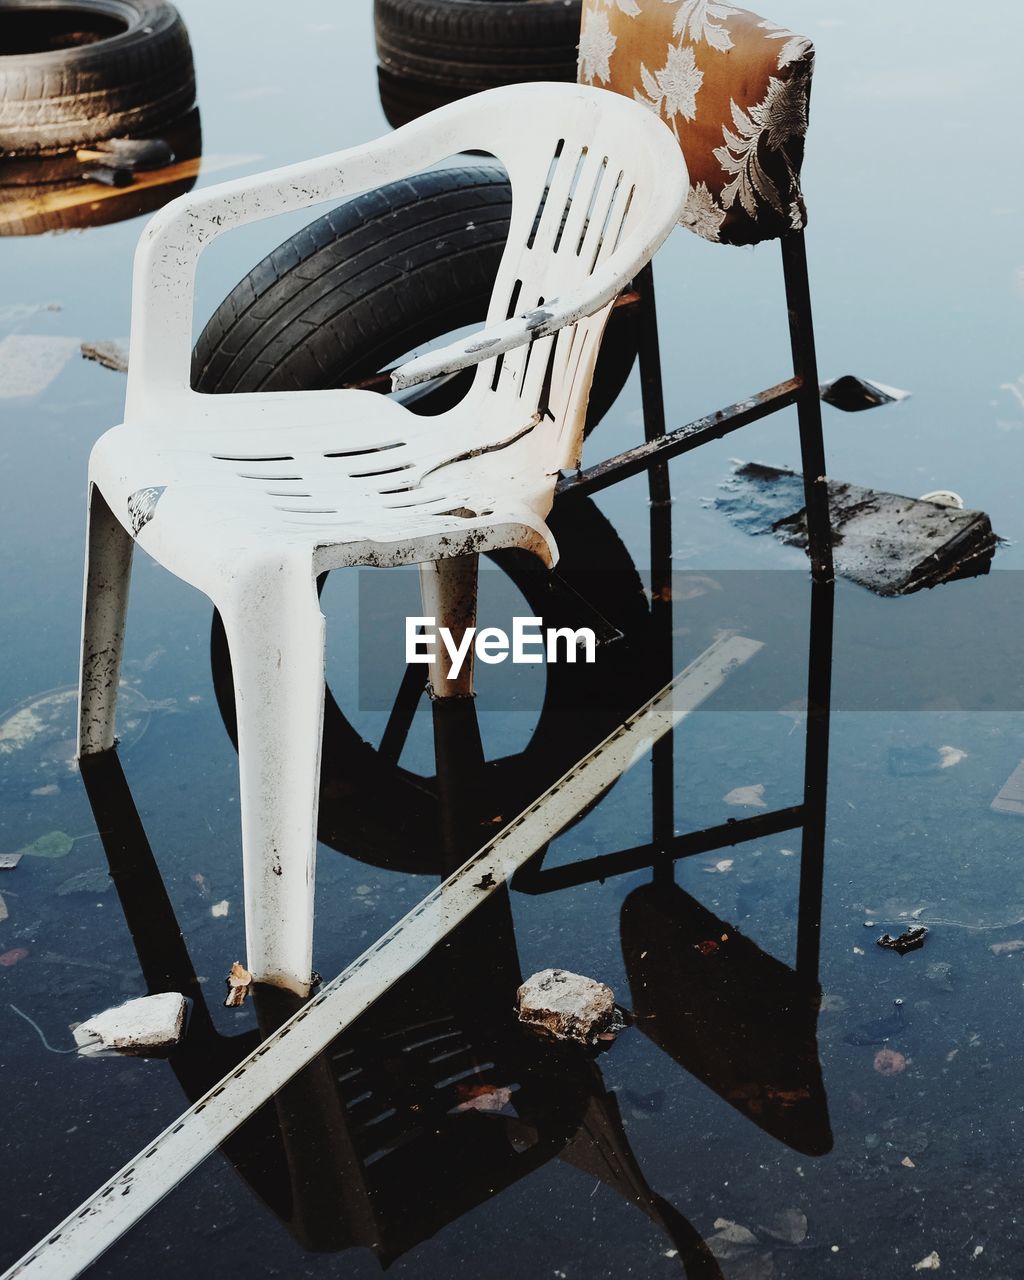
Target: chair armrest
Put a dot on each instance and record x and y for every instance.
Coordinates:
(601, 288)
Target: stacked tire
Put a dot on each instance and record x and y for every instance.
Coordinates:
(431, 52)
(74, 72)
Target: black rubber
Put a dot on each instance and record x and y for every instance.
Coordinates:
(360, 287)
(434, 51)
(78, 71)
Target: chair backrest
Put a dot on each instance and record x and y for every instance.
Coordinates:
(583, 179)
(734, 88)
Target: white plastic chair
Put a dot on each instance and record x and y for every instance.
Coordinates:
(250, 497)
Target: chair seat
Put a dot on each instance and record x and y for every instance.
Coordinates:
(380, 486)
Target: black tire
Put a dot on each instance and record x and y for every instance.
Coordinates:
(361, 286)
(436, 51)
(79, 71)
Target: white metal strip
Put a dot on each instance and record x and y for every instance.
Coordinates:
(120, 1203)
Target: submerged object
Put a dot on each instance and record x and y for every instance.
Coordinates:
(852, 394)
(880, 1030)
(891, 544)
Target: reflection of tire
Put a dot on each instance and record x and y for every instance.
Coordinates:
(76, 71)
(435, 51)
(369, 281)
(49, 193)
(383, 814)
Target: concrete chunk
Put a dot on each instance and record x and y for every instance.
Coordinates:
(566, 1005)
(141, 1026)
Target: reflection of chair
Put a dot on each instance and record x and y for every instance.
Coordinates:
(373, 1144)
(251, 497)
(739, 1020)
(735, 90)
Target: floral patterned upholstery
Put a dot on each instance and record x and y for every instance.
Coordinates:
(734, 88)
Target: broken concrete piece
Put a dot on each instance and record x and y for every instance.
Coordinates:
(141, 1026)
(911, 940)
(566, 1005)
(1011, 798)
(891, 544)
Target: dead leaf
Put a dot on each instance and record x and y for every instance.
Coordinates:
(890, 1063)
(1006, 948)
(747, 797)
(239, 982)
(12, 957)
(788, 1227)
(482, 1097)
(55, 844)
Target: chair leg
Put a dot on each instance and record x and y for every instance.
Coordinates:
(275, 633)
(108, 568)
(812, 443)
(448, 589)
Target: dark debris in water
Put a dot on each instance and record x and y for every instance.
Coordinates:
(891, 544)
(853, 394)
(910, 940)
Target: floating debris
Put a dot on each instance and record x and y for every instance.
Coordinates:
(747, 797)
(565, 1005)
(910, 940)
(220, 909)
(720, 867)
(239, 982)
(9, 958)
(8, 861)
(111, 355)
(880, 1030)
(139, 1027)
(944, 498)
(891, 544)
(1007, 948)
(853, 394)
(890, 1063)
(940, 975)
(908, 762)
(482, 1097)
(4, 913)
(55, 844)
(29, 362)
(94, 882)
(1011, 798)
(931, 1263)
(38, 738)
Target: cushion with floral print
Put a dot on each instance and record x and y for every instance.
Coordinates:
(733, 87)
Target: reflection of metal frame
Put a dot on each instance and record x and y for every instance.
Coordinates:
(665, 847)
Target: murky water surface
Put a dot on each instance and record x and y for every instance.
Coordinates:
(844, 1141)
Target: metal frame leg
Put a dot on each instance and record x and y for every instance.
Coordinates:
(808, 406)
